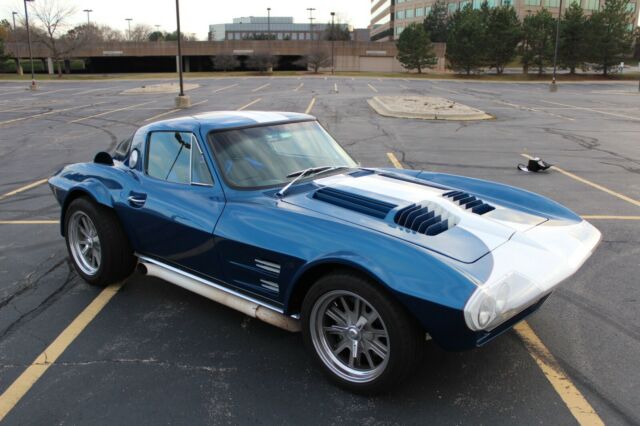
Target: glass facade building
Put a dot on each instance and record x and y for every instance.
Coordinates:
(390, 17)
(281, 28)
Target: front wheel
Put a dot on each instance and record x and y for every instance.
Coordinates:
(96, 243)
(364, 340)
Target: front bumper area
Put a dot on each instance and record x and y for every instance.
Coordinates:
(527, 268)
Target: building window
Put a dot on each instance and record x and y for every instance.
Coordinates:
(400, 14)
(409, 13)
(476, 4)
(427, 10)
(533, 2)
(552, 3)
(491, 3)
(592, 4)
(452, 7)
(399, 30)
(631, 7)
(420, 11)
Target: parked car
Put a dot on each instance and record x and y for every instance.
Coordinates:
(266, 213)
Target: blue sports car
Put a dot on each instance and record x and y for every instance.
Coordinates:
(264, 212)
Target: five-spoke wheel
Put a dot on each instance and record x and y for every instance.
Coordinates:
(84, 243)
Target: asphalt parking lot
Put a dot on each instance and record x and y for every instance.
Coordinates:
(156, 354)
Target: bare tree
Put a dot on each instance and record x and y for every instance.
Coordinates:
(315, 60)
(53, 17)
(261, 61)
(225, 62)
(140, 32)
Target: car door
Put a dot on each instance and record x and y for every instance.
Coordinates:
(173, 208)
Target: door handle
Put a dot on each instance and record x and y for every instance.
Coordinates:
(137, 200)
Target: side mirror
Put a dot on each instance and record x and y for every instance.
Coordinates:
(103, 158)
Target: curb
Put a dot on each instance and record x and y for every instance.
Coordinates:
(382, 109)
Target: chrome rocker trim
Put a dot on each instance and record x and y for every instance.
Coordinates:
(225, 296)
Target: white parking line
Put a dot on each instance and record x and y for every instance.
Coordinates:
(255, 101)
(93, 90)
(372, 88)
(261, 87)
(225, 88)
(77, 120)
(52, 91)
(629, 117)
(299, 87)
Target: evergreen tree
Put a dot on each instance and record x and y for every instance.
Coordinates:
(610, 34)
(502, 36)
(466, 44)
(571, 46)
(435, 24)
(414, 48)
(538, 41)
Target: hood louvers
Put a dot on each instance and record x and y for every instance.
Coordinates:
(425, 219)
(358, 203)
(469, 202)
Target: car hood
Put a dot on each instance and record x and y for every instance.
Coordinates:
(445, 220)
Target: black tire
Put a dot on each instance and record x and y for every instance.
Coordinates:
(405, 336)
(117, 260)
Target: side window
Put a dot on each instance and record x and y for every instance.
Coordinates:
(169, 156)
(200, 174)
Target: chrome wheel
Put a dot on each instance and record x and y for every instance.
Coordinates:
(84, 243)
(350, 336)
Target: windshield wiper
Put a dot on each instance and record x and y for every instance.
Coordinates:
(302, 173)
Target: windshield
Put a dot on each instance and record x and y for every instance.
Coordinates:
(258, 157)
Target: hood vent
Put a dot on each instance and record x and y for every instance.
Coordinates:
(425, 219)
(469, 202)
(358, 203)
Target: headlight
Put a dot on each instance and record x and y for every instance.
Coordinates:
(492, 304)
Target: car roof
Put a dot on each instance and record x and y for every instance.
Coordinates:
(218, 120)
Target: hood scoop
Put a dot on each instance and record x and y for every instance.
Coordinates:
(469, 202)
(426, 218)
(355, 202)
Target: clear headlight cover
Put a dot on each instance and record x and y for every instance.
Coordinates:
(492, 304)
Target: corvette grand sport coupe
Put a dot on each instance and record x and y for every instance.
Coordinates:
(264, 212)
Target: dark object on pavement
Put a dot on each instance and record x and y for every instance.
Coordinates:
(534, 165)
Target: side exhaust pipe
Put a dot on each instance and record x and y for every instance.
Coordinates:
(217, 293)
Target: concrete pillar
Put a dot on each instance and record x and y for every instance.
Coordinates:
(186, 63)
(50, 69)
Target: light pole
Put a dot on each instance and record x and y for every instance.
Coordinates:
(158, 34)
(182, 101)
(553, 87)
(88, 11)
(129, 23)
(333, 38)
(311, 9)
(15, 40)
(269, 24)
(34, 86)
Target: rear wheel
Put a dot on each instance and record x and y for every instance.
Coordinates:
(97, 245)
(364, 340)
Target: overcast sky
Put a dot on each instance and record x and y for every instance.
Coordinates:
(196, 15)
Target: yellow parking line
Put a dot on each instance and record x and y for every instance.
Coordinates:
(575, 401)
(162, 114)
(261, 87)
(42, 114)
(310, 107)
(39, 366)
(592, 184)
(23, 188)
(397, 164)
(108, 112)
(299, 87)
(608, 217)
(29, 222)
(570, 395)
(372, 88)
(255, 101)
(225, 88)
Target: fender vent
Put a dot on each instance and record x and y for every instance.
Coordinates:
(425, 219)
(358, 203)
(469, 202)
